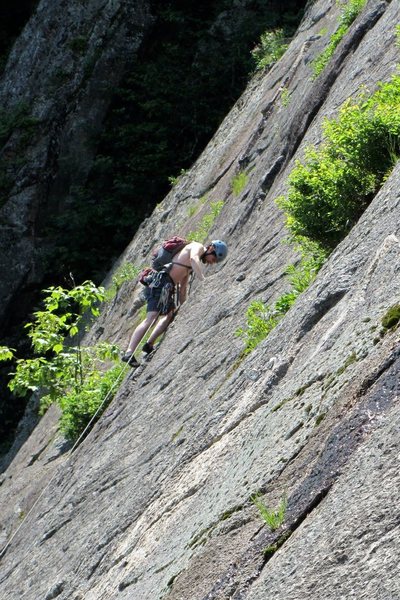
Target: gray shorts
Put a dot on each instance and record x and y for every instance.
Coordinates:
(160, 294)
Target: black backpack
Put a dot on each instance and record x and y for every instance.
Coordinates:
(164, 255)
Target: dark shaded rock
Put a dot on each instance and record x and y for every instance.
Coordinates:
(62, 71)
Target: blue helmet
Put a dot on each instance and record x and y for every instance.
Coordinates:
(221, 250)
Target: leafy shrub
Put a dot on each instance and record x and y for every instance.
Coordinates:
(350, 11)
(270, 49)
(331, 189)
(125, 272)
(79, 406)
(302, 274)
(397, 30)
(174, 179)
(72, 375)
(192, 210)
(285, 96)
(6, 353)
(262, 319)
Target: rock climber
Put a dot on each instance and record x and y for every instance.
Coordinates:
(160, 294)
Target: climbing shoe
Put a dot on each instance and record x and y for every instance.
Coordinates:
(147, 348)
(129, 358)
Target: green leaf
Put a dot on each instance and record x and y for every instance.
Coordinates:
(6, 353)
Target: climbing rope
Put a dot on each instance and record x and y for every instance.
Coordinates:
(77, 442)
(69, 453)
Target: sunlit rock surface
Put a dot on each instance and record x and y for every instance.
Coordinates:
(156, 502)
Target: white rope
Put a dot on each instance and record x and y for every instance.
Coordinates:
(123, 371)
(7, 545)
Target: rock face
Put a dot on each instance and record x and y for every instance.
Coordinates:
(59, 79)
(156, 502)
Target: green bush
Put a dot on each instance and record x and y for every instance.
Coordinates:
(270, 49)
(397, 30)
(350, 11)
(329, 191)
(285, 96)
(76, 377)
(79, 406)
(174, 179)
(125, 272)
(6, 353)
(262, 319)
(302, 274)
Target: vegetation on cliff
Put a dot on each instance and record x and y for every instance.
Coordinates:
(191, 68)
(329, 191)
(80, 379)
(350, 11)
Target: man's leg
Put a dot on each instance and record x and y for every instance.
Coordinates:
(141, 330)
(160, 327)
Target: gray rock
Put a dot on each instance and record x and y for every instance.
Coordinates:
(63, 69)
(157, 500)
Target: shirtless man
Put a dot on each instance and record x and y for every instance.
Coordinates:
(161, 291)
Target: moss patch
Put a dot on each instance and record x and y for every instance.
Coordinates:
(270, 550)
(391, 319)
(319, 419)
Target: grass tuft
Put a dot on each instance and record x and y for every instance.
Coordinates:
(274, 518)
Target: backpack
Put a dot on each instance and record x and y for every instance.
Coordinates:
(163, 256)
(146, 276)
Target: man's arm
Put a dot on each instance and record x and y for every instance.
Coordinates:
(195, 252)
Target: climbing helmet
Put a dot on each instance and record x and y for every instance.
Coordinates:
(221, 250)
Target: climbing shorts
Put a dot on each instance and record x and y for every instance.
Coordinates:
(160, 294)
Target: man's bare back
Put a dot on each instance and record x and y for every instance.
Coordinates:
(186, 260)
